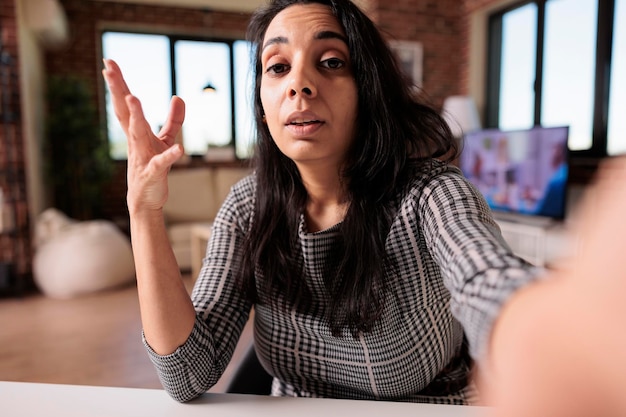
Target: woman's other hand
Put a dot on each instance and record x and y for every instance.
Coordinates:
(150, 156)
(559, 346)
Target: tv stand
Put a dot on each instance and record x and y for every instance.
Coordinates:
(541, 241)
(538, 221)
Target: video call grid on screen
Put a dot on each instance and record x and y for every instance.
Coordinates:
(522, 171)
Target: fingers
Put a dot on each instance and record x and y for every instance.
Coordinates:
(139, 131)
(164, 161)
(119, 90)
(127, 109)
(174, 121)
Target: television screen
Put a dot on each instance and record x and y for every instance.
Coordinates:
(522, 171)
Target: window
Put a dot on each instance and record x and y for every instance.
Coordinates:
(159, 66)
(616, 136)
(517, 95)
(561, 62)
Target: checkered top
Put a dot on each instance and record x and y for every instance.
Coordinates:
(453, 272)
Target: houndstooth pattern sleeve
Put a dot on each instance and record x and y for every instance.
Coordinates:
(221, 310)
(478, 267)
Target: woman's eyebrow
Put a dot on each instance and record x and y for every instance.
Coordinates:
(329, 34)
(274, 41)
(325, 34)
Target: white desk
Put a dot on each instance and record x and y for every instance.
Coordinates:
(21, 399)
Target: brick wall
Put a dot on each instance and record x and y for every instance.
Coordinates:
(85, 18)
(440, 25)
(436, 24)
(80, 56)
(15, 242)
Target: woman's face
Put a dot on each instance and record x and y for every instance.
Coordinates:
(308, 92)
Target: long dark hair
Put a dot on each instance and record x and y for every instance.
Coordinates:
(392, 130)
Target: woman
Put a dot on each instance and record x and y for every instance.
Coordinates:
(354, 255)
(368, 260)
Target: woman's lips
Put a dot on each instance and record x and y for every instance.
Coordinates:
(304, 128)
(304, 122)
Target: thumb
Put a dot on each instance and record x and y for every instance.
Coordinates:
(165, 160)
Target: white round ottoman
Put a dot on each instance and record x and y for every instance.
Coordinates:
(81, 257)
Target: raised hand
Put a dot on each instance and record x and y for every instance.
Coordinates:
(150, 156)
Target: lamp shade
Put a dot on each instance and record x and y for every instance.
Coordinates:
(461, 114)
(209, 88)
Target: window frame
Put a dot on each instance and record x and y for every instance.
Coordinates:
(586, 159)
(172, 39)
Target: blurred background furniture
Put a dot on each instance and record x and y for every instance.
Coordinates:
(74, 258)
(195, 196)
(200, 234)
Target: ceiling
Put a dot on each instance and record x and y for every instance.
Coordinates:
(230, 5)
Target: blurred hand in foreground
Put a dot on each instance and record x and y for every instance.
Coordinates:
(559, 347)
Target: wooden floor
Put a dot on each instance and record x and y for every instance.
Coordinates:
(91, 340)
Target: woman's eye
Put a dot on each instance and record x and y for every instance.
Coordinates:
(333, 63)
(277, 68)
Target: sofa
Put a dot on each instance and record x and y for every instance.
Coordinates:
(195, 196)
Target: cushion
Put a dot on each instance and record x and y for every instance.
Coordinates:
(81, 257)
(225, 178)
(191, 197)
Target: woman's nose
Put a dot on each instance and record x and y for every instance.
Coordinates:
(302, 83)
(306, 91)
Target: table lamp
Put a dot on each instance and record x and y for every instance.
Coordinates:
(461, 114)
